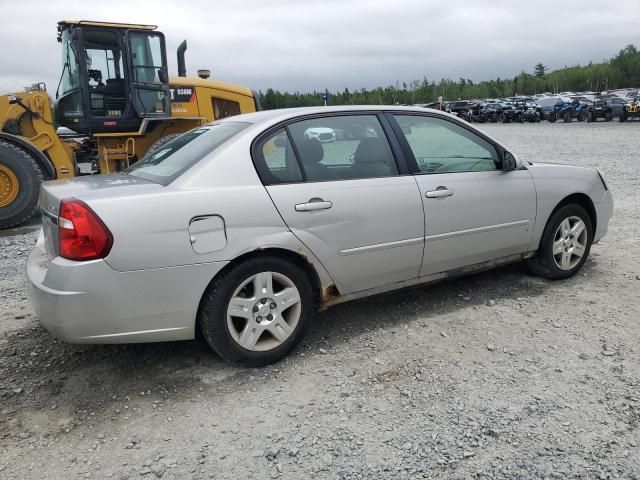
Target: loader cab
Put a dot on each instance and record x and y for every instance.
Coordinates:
(114, 76)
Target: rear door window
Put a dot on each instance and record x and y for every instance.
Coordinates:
(342, 147)
(279, 162)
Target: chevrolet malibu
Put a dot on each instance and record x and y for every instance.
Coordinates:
(243, 228)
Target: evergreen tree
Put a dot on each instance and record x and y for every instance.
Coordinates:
(540, 70)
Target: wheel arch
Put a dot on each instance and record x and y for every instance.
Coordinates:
(584, 201)
(40, 158)
(297, 258)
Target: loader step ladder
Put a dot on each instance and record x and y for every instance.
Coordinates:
(125, 152)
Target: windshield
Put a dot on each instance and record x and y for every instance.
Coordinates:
(177, 156)
(69, 80)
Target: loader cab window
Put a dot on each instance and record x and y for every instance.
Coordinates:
(70, 79)
(148, 62)
(69, 106)
(224, 108)
(105, 73)
(146, 57)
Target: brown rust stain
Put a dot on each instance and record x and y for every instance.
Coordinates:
(329, 293)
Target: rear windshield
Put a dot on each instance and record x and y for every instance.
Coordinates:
(177, 156)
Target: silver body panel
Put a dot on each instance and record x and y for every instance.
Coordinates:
(475, 223)
(379, 234)
(371, 235)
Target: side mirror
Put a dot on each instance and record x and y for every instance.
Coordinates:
(509, 162)
(13, 99)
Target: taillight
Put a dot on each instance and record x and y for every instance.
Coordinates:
(81, 233)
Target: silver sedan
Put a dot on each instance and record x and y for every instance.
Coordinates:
(242, 229)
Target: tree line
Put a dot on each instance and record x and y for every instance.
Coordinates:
(621, 71)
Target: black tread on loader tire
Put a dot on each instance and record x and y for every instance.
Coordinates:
(29, 177)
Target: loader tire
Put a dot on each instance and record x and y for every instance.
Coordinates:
(20, 179)
(158, 144)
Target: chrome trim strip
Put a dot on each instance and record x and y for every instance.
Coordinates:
(50, 215)
(471, 231)
(381, 246)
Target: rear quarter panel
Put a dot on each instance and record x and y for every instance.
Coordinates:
(151, 230)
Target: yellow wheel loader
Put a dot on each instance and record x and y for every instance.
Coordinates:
(115, 101)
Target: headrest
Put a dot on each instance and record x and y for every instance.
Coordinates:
(371, 150)
(311, 151)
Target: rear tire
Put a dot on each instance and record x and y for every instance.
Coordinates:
(558, 255)
(552, 117)
(251, 337)
(567, 117)
(20, 179)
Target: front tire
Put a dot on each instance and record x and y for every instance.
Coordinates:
(565, 244)
(257, 312)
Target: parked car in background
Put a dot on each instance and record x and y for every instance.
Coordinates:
(617, 105)
(323, 135)
(459, 109)
(241, 229)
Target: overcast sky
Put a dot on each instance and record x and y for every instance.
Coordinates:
(306, 45)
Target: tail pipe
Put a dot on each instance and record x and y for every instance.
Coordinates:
(182, 69)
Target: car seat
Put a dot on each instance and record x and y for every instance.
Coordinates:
(372, 159)
(311, 154)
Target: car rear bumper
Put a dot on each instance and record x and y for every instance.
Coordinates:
(89, 302)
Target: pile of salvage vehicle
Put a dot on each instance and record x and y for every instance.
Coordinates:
(566, 106)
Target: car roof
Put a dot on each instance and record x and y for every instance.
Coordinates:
(288, 113)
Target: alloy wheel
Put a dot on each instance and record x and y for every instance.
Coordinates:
(569, 243)
(264, 311)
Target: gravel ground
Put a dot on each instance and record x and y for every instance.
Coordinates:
(497, 375)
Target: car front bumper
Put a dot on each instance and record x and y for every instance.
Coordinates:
(89, 302)
(604, 211)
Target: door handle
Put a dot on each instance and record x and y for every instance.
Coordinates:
(313, 204)
(439, 193)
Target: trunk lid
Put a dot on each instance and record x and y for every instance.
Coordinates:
(85, 188)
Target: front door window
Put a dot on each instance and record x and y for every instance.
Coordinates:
(440, 146)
